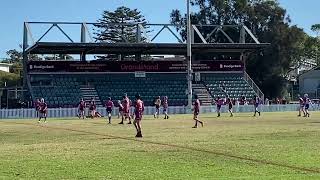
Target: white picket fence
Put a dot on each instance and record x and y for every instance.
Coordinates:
(72, 112)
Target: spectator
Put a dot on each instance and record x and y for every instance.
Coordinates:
(277, 100)
(267, 102)
(242, 100)
(284, 101)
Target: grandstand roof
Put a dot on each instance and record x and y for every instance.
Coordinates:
(139, 48)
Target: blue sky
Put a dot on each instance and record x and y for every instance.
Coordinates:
(14, 12)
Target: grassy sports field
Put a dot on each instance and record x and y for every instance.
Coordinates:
(273, 146)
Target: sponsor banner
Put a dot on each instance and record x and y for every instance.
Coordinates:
(131, 66)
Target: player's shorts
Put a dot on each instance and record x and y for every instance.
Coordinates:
(109, 110)
(138, 116)
(157, 107)
(230, 107)
(219, 107)
(126, 111)
(196, 112)
(43, 111)
(165, 110)
(81, 109)
(306, 106)
(256, 105)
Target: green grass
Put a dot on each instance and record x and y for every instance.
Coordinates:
(273, 146)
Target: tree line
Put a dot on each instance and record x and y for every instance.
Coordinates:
(268, 21)
(15, 57)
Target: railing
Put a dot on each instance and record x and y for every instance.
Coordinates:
(72, 112)
(256, 89)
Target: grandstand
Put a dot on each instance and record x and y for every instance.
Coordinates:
(234, 85)
(63, 83)
(62, 91)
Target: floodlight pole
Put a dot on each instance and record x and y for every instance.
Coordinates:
(318, 41)
(83, 40)
(189, 56)
(25, 57)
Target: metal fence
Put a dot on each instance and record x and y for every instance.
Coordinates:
(72, 112)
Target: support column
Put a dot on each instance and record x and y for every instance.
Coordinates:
(25, 57)
(243, 58)
(83, 40)
(242, 35)
(189, 56)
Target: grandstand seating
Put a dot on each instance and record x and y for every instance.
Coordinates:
(171, 85)
(60, 91)
(233, 84)
(64, 90)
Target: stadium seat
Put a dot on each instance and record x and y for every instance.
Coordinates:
(235, 85)
(64, 90)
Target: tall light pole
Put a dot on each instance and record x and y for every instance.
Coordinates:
(189, 56)
(317, 49)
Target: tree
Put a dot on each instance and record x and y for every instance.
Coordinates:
(15, 56)
(268, 22)
(9, 79)
(120, 26)
(316, 28)
(65, 57)
(311, 49)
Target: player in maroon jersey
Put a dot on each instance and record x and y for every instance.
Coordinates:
(165, 107)
(43, 109)
(243, 100)
(230, 106)
(256, 103)
(81, 108)
(37, 107)
(196, 111)
(301, 106)
(307, 103)
(109, 106)
(92, 108)
(138, 111)
(219, 103)
(126, 109)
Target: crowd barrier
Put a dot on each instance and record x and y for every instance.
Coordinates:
(72, 112)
